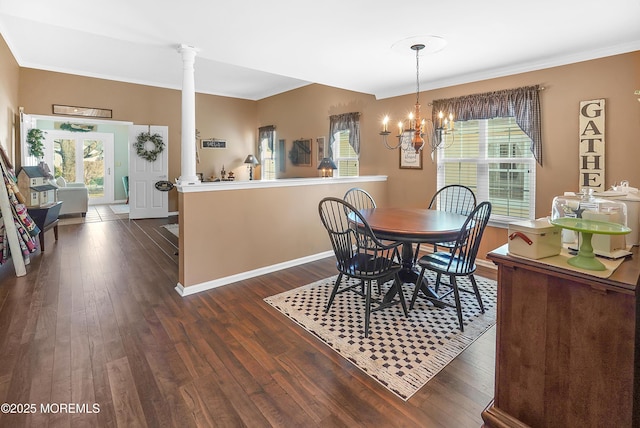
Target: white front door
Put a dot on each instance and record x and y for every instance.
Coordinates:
(83, 157)
(145, 201)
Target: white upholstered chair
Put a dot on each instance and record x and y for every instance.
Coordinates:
(74, 197)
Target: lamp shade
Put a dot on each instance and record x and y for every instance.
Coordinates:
(251, 159)
(327, 163)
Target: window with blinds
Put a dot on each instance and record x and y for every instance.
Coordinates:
(493, 158)
(345, 157)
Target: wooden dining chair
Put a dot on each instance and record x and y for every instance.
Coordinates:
(359, 198)
(454, 198)
(359, 255)
(362, 200)
(459, 261)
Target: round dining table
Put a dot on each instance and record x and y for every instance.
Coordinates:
(411, 226)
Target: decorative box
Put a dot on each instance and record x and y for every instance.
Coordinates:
(535, 239)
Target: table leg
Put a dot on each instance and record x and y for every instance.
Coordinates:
(409, 275)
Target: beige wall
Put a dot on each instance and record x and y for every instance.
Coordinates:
(221, 117)
(613, 78)
(9, 82)
(305, 112)
(234, 231)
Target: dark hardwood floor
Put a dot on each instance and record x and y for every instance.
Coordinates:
(97, 323)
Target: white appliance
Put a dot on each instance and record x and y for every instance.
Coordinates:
(588, 206)
(632, 202)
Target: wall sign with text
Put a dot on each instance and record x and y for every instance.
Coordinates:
(592, 145)
(214, 143)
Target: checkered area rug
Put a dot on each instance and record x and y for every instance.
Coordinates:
(173, 228)
(402, 354)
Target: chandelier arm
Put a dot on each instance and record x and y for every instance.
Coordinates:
(384, 140)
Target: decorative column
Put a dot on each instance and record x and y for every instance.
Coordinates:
(188, 162)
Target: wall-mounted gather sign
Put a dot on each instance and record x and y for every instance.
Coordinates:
(592, 145)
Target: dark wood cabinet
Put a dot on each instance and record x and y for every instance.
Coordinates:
(564, 346)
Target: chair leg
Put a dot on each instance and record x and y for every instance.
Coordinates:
(456, 293)
(367, 309)
(437, 286)
(333, 293)
(398, 284)
(477, 292)
(416, 289)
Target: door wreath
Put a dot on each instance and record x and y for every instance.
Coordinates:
(148, 146)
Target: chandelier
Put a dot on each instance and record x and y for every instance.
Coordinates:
(416, 132)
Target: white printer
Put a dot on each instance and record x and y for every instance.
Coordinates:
(631, 198)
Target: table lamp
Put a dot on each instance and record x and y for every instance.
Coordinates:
(326, 167)
(251, 161)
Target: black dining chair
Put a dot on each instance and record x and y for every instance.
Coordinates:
(459, 261)
(454, 198)
(359, 255)
(359, 198)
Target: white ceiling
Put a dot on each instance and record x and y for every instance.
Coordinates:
(253, 49)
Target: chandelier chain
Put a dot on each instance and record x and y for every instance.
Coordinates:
(417, 77)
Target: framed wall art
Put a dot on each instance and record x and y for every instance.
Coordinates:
(322, 151)
(300, 153)
(409, 159)
(281, 156)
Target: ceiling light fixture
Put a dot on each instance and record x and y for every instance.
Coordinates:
(413, 130)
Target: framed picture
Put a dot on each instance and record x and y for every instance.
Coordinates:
(214, 143)
(300, 153)
(82, 111)
(322, 151)
(410, 159)
(281, 156)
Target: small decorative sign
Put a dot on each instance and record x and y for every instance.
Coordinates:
(214, 143)
(592, 145)
(164, 186)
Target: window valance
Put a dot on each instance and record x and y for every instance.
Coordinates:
(345, 122)
(522, 103)
(266, 133)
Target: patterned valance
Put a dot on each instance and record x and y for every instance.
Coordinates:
(266, 133)
(521, 103)
(345, 122)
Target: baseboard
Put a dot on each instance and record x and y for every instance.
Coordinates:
(204, 286)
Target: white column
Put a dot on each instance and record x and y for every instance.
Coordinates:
(188, 144)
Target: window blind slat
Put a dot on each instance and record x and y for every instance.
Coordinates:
(345, 157)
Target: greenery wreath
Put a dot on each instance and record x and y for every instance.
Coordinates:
(142, 146)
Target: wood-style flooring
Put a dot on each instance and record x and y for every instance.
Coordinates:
(96, 335)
